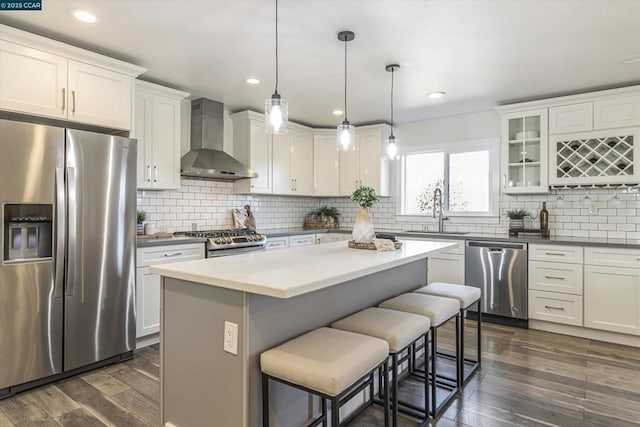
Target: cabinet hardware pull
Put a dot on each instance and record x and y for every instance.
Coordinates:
(554, 308)
(554, 277)
(174, 254)
(64, 99)
(155, 171)
(504, 181)
(148, 175)
(553, 253)
(73, 97)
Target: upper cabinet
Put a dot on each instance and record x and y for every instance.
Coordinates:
(524, 152)
(366, 165)
(46, 78)
(157, 127)
(253, 147)
(293, 162)
(326, 164)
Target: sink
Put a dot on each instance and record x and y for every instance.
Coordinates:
(436, 233)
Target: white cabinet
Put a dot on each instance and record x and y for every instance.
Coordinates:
(157, 126)
(524, 152)
(446, 266)
(293, 163)
(326, 170)
(555, 277)
(556, 253)
(571, 118)
(277, 242)
(46, 78)
(148, 284)
(366, 165)
(332, 237)
(555, 307)
(291, 241)
(616, 112)
(254, 148)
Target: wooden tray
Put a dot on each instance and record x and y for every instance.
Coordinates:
(513, 232)
(353, 244)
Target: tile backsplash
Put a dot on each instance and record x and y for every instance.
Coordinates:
(209, 204)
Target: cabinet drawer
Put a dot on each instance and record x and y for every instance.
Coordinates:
(617, 112)
(571, 118)
(555, 277)
(554, 307)
(556, 253)
(612, 257)
(277, 242)
(455, 250)
(169, 253)
(303, 240)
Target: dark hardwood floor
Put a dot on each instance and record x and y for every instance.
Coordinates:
(528, 378)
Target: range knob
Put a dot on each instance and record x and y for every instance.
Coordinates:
(218, 240)
(228, 240)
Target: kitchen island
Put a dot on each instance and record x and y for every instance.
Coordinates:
(271, 297)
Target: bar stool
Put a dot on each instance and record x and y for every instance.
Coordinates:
(400, 330)
(439, 310)
(467, 296)
(332, 364)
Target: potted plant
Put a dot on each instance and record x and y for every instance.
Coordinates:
(141, 218)
(363, 229)
(328, 214)
(516, 217)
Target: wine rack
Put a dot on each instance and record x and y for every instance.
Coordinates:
(594, 158)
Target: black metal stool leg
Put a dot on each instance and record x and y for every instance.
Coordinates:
(335, 412)
(479, 324)
(434, 345)
(427, 407)
(385, 370)
(460, 350)
(265, 401)
(325, 421)
(394, 387)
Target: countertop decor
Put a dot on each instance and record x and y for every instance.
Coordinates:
(324, 218)
(363, 229)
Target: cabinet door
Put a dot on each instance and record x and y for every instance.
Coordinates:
(165, 131)
(302, 163)
(304, 240)
(277, 242)
(370, 157)
(147, 302)
(99, 96)
(571, 118)
(349, 171)
(260, 153)
(446, 268)
(617, 112)
(32, 81)
(325, 166)
(282, 179)
(612, 299)
(142, 132)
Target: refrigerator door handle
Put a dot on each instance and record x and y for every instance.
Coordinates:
(71, 258)
(60, 224)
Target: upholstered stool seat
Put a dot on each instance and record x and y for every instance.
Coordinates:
(399, 330)
(326, 362)
(467, 296)
(439, 310)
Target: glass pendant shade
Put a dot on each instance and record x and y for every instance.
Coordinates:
(346, 137)
(276, 115)
(392, 147)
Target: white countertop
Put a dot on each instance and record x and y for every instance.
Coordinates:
(286, 273)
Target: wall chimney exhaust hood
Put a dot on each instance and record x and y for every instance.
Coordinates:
(206, 158)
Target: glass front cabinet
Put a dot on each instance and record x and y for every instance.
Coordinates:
(524, 152)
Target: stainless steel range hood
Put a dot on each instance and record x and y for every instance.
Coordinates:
(206, 158)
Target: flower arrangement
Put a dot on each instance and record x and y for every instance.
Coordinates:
(365, 196)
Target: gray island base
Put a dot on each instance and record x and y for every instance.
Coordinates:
(202, 385)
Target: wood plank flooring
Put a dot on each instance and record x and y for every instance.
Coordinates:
(528, 378)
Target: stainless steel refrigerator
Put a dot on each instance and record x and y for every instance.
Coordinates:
(67, 263)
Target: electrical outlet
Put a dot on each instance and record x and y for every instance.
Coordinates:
(231, 338)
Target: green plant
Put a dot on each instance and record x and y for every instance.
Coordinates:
(141, 216)
(365, 196)
(330, 212)
(518, 214)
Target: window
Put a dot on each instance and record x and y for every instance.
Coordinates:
(466, 177)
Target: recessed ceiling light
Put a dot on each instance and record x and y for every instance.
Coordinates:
(253, 81)
(436, 95)
(337, 112)
(84, 16)
(631, 59)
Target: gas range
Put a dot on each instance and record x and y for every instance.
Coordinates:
(230, 242)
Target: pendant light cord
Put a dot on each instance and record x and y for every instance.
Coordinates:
(345, 81)
(392, 71)
(276, 91)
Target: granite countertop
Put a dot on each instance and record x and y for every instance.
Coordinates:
(296, 271)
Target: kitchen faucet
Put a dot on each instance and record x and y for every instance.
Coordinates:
(437, 197)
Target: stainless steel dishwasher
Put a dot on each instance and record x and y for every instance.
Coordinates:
(499, 269)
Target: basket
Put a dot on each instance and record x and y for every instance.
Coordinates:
(312, 222)
(355, 245)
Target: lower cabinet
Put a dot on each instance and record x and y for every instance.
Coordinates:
(555, 307)
(447, 266)
(148, 284)
(282, 242)
(332, 237)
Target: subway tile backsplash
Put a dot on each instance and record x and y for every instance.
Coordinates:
(209, 204)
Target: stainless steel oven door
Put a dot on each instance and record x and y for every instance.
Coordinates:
(234, 251)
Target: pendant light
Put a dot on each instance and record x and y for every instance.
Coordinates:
(276, 109)
(346, 135)
(392, 141)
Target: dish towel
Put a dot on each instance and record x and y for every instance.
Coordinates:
(384, 245)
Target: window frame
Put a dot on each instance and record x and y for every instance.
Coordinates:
(492, 145)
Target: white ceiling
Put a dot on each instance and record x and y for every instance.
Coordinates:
(482, 53)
